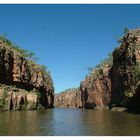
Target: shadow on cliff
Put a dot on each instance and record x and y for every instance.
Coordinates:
(43, 99)
(84, 97)
(131, 103)
(6, 67)
(134, 103)
(116, 96)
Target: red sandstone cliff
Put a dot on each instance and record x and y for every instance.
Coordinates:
(23, 81)
(96, 89)
(68, 99)
(116, 84)
(125, 72)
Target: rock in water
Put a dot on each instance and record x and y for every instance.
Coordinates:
(119, 109)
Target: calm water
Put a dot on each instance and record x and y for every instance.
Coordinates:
(69, 122)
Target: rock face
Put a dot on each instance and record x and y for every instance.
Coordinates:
(96, 89)
(94, 92)
(125, 72)
(68, 99)
(113, 85)
(26, 81)
(119, 84)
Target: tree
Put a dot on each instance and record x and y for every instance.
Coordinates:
(90, 69)
(126, 30)
(44, 68)
(31, 56)
(25, 53)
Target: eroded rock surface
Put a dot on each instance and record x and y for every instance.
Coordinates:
(96, 89)
(115, 84)
(68, 99)
(125, 72)
(32, 85)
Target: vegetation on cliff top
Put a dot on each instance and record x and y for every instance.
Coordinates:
(30, 56)
(131, 67)
(25, 53)
(133, 70)
(67, 90)
(96, 72)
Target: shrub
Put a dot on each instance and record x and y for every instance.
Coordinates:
(5, 93)
(126, 30)
(3, 102)
(30, 56)
(97, 71)
(137, 72)
(25, 53)
(43, 68)
(120, 40)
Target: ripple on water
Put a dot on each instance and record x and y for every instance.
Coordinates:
(69, 122)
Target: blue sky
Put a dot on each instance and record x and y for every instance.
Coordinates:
(68, 38)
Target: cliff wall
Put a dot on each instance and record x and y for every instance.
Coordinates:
(115, 82)
(68, 99)
(22, 82)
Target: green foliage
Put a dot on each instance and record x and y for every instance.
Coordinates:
(38, 95)
(120, 40)
(137, 72)
(3, 102)
(134, 85)
(126, 30)
(39, 107)
(137, 46)
(43, 68)
(97, 71)
(25, 53)
(5, 93)
(30, 56)
(66, 90)
(24, 106)
(90, 69)
(47, 74)
(107, 61)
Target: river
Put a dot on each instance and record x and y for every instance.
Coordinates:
(69, 122)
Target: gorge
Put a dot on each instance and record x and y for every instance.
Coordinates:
(112, 84)
(27, 95)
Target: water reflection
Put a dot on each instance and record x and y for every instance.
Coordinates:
(26, 123)
(104, 122)
(69, 122)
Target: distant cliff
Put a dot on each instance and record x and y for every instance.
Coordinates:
(68, 99)
(23, 84)
(96, 88)
(116, 81)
